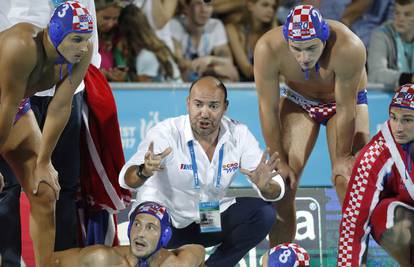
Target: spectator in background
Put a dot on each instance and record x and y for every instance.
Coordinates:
(107, 13)
(257, 19)
(147, 58)
(159, 13)
(391, 52)
(229, 11)
(202, 46)
(363, 16)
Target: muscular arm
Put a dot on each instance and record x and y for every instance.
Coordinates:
(18, 59)
(266, 73)
(60, 107)
(186, 256)
(238, 51)
(347, 80)
(91, 256)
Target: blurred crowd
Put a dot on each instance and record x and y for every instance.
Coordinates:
(181, 40)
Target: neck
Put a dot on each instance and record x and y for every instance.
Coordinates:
(152, 260)
(51, 52)
(208, 143)
(257, 26)
(193, 29)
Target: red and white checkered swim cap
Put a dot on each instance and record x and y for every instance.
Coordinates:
(305, 22)
(288, 255)
(404, 97)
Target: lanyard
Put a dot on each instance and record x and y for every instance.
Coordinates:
(194, 165)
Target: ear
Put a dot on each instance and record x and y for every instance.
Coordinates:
(188, 103)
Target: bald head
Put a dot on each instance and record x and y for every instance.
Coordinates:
(209, 83)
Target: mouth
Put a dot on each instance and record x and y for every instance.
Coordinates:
(204, 124)
(140, 245)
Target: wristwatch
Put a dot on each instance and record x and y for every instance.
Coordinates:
(139, 172)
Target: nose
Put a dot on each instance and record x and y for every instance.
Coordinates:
(84, 48)
(303, 57)
(204, 112)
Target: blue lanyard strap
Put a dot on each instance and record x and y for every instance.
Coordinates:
(194, 165)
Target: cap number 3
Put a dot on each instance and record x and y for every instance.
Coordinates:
(62, 13)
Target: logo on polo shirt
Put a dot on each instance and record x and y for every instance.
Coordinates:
(230, 167)
(186, 167)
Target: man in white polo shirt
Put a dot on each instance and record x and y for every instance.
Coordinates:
(188, 162)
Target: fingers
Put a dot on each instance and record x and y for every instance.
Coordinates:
(166, 152)
(151, 147)
(263, 159)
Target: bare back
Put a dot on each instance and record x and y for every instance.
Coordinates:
(341, 47)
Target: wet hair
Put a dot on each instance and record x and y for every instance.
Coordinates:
(136, 30)
(219, 84)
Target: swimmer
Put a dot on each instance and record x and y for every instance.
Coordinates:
(149, 232)
(33, 59)
(323, 65)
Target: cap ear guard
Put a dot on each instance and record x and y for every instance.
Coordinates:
(166, 236)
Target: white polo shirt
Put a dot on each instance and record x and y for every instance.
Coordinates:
(174, 185)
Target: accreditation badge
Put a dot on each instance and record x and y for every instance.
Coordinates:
(210, 220)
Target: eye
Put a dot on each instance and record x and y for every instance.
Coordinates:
(77, 39)
(214, 106)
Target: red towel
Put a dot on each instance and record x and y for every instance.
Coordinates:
(102, 158)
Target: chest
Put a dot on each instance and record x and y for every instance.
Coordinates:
(320, 84)
(200, 170)
(44, 77)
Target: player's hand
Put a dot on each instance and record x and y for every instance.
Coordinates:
(152, 161)
(263, 173)
(46, 173)
(287, 173)
(1, 182)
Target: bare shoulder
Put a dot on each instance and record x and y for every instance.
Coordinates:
(17, 44)
(345, 45)
(100, 255)
(271, 45)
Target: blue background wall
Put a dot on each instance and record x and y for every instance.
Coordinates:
(141, 106)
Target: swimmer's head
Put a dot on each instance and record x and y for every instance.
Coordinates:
(149, 228)
(401, 114)
(305, 22)
(70, 19)
(306, 33)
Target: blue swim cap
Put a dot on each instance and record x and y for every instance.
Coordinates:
(69, 17)
(159, 212)
(288, 255)
(305, 22)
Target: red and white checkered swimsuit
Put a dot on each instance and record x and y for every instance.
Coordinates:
(319, 112)
(375, 189)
